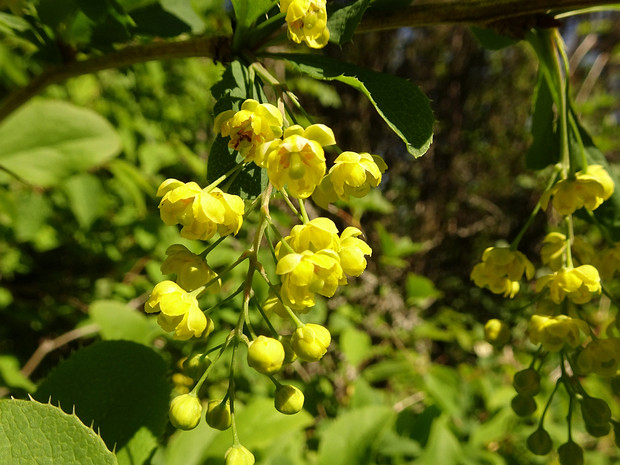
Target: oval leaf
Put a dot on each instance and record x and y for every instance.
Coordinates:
(46, 141)
(31, 432)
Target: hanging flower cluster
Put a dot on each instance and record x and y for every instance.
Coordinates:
(313, 259)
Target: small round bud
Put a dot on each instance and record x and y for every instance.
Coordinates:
(288, 399)
(310, 342)
(524, 406)
(195, 365)
(598, 431)
(218, 415)
(595, 411)
(265, 354)
(539, 442)
(496, 332)
(239, 455)
(570, 454)
(185, 411)
(527, 382)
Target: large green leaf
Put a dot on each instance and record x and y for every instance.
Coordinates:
(402, 105)
(31, 433)
(342, 22)
(351, 437)
(120, 388)
(47, 141)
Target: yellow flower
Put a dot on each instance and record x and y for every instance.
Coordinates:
(308, 273)
(307, 21)
(319, 233)
(601, 356)
(589, 189)
(310, 342)
(353, 174)
(352, 251)
(553, 250)
(192, 271)
(254, 124)
(501, 269)
(578, 284)
(298, 161)
(265, 354)
(555, 331)
(202, 213)
(178, 311)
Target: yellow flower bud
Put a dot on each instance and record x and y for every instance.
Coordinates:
(307, 21)
(352, 252)
(192, 271)
(501, 269)
(218, 415)
(250, 127)
(265, 354)
(310, 342)
(578, 284)
(496, 332)
(239, 455)
(553, 251)
(288, 399)
(179, 311)
(185, 411)
(353, 174)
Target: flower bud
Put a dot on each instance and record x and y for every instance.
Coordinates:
(598, 431)
(570, 454)
(539, 442)
(595, 411)
(310, 342)
(185, 411)
(496, 332)
(239, 455)
(218, 415)
(524, 406)
(288, 399)
(527, 382)
(196, 365)
(265, 354)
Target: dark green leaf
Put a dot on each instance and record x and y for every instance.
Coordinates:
(342, 22)
(154, 20)
(490, 39)
(31, 433)
(545, 148)
(402, 105)
(118, 386)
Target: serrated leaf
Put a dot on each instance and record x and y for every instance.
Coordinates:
(46, 141)
(119, 321)
(352, 436)
(31, 432)
(118, 386)
(402, 105)
(342, 22)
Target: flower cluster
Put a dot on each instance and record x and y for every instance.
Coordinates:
(307, 21)
(313, 259)
(501, 269)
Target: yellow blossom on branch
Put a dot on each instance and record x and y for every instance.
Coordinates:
(589, 189)
(253, 125)
(553, 251)
(578, 284)
(553, 332)
(501, 269)
(353, 251)
(307, 21)
(298, 161)
(192, 271)
(178, 311)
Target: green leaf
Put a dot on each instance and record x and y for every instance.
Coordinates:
(342, 22)
(13, 23)
(119, 387)
(443, 446)
(46, 141)
(490, 39)
(356, 345)
(402, 105)
(153, 19)
(31, 432)
(248, 11)
(351, 437)
(119, 321)
(545, 148)
(184, 10)
(86, 198)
